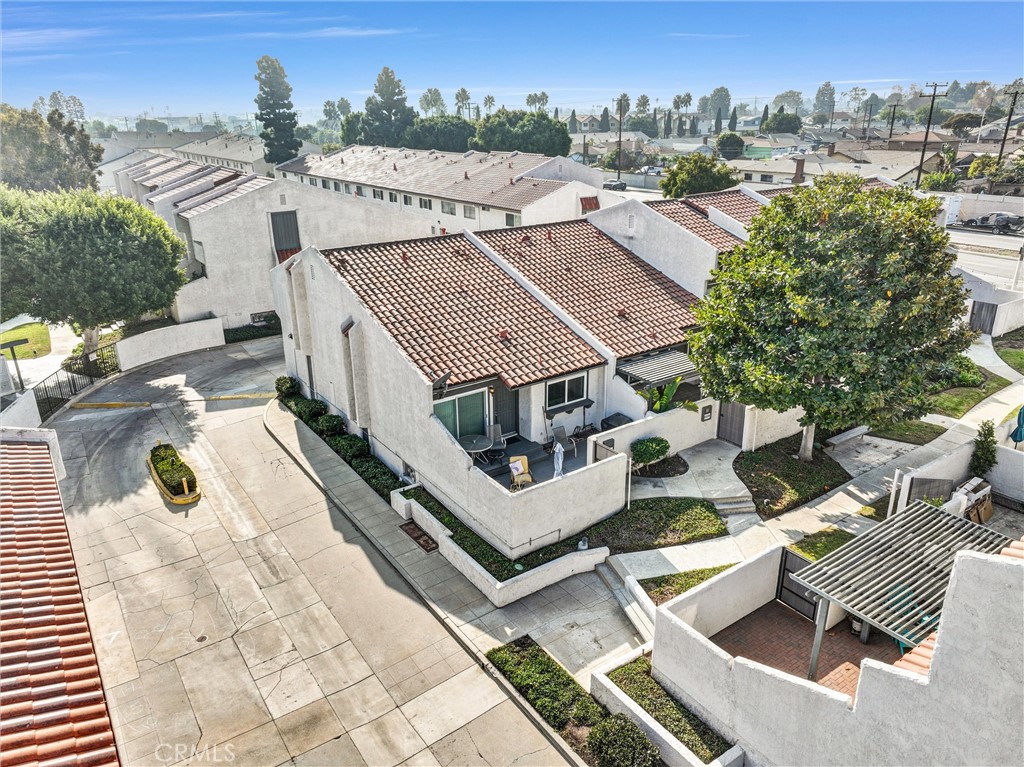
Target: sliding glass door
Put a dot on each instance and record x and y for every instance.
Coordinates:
(464, 414)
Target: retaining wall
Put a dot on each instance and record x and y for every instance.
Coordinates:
(169, 342)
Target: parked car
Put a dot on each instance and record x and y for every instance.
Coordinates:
(616, 184)
(999, 221)
(650, 170)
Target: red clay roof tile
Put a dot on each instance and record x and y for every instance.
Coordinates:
(732, 202)
(696, 222)
(52, 707)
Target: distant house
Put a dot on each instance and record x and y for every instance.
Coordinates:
(233, 150)
(914, 141)
(456, 190)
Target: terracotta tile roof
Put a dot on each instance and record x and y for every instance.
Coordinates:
(52, 708)
(770, 193)
(447, 305)
(1015, 550)
(221, 195)
(593, 278)
(920, 658)
(474, 177)
(697, 223)
(732, 203)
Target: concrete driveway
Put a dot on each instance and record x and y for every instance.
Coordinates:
(257, 627)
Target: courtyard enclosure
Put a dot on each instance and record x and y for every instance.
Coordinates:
(959, 712)
(681, 427)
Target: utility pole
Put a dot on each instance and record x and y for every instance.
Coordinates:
(618, 164)
(928, 127)
(1006, 130)
(831, 114)
(867, 125)
(892, 116)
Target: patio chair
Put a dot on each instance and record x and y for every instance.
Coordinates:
(498, 444)
(519, 468)
(560, 438)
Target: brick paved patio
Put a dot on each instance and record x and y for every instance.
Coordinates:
(779, 637)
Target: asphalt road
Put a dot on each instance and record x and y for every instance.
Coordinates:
(998, 268)
(980, 238)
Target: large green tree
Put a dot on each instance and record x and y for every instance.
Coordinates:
(730, 145)
(840, 303)
(387, 116)
(695, 173)
(276, 111)
(432, 102)
(825, 98)
(506, 131)
(643, 104)
(962, 124)
(461, 102)
(781, 123)
(792, 100)
(719, 99)
(446, 133)
(83, 258)
(48, 153)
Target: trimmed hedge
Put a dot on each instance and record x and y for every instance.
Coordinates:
(172, 469)
(287, 387)
(270, 327)
(549, 688)
(376, 474)
(329, 425)
(649, 450)
(308, 410)
(618, 742)
(348, 446)
(636, 681)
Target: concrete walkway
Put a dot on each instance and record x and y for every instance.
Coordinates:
(982, 353)
(261, 626)
(710, 476)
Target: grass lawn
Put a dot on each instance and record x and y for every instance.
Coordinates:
(958, 400)
(636, 681)
(876, 510)
(1010, 347)
(816, 545)
(779, 482)
(666, 587)
(651, 523)
(38, 336)
(914, 432)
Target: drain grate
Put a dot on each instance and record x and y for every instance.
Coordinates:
(415, 532)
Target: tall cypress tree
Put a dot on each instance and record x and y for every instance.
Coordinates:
(276, 111)
(668, 123)
(732, 120)
(693, 125)
(574, 124)
(764, 115)
(555, 116)
(680, 126)
(718, 121)
(606, 123)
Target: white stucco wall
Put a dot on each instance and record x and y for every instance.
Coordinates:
(1007, 476)
(762, 427)
(968, 710)
(23, 412)
(1009, 316)
(169, 342)
(620, 397)
(682, 428)
(681, 255)
(238, 245)
(952, 466)
(972, 205)
(564, 169)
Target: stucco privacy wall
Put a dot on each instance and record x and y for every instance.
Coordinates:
(952, 467)
(22, 412)
(682, 428)
(1007, 476)
(973, 205)
(169, 342)
(762, 427)
(1009, 316)
(968, 710)
(1009, 303)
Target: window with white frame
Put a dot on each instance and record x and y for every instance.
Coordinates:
(407, 199)
(348, 189)
(513, 219)
(378, 194)
(468, 211)
(337, 186)
(566, 391)
(426, 204)
(392, 196)
(312, 182)
(360, 192)
(325, 183)
(448, 207)
(464, 413)
(766, 178)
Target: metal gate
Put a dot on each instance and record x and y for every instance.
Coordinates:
(788, 591)
(731, 416)
(76, 374)
(983, 316)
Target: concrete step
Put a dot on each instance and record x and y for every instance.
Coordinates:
(717, 499)
(742, 506)
(635, 614)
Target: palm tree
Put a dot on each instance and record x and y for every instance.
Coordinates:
(461, 100)
(622, 105)
(677, 103)
(488, 103)
(686, 101)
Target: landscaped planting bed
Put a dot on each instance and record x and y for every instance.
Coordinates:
(177, 477)
(650, 524)
(778, 481)
(568, 708)
(912, 432)
(666, 587)
(956, 401)
(270, 327)
(636, 681)
(817, 545)
(1010, 348)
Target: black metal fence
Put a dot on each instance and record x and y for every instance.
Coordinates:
(76, 374)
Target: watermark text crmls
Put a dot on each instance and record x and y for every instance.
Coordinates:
(171, 753)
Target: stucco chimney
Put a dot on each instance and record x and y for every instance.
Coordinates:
(831, 149)
(705, 141)
(798, 172)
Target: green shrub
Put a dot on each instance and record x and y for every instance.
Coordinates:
(287, 387)
(308, 410)
(961, 372)
(548, 687)
(171, 469)
(329, 425)
(376, 474)
(618, 742)
(270, 326)
(649, 450)
(984, 456)
(349, 447)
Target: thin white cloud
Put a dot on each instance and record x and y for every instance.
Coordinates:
(307, 34)
(707, 35)
(225, 15)
(33, 58)
(50, 37)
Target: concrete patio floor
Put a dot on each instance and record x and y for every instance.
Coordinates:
(260, 626)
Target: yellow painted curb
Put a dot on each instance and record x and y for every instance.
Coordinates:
(179, 500)
(105, 405)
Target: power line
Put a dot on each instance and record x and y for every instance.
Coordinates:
(1006, 130)
(928, 128)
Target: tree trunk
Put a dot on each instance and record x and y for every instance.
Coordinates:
(91, 339)
(807, 444)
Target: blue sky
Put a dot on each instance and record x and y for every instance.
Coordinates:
(123, 58)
